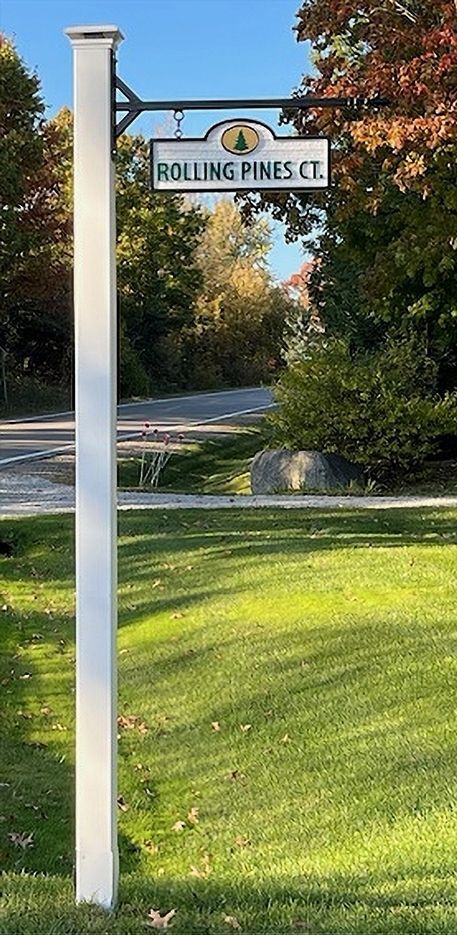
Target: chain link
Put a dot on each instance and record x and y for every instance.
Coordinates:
(179, 117)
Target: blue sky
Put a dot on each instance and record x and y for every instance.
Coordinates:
(174, 48)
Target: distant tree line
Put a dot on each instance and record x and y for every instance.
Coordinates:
(198, 307)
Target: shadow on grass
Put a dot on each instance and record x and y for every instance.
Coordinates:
(47, 541)
(36, 748)
(340, 905)
(267, 532)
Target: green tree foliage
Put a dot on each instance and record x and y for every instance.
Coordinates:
(229, 248)
(21, 156)
(304, 328)
(21, 149)
(42, 286)
(379, 409)
(386, 233)
(237, 335)
(378, 384)
(158, 276)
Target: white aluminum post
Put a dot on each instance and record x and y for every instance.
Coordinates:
(96, 518)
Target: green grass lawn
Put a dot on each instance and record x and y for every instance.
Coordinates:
(288, 679)
(214, 466)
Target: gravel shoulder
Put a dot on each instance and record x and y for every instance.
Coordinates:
(24, 494)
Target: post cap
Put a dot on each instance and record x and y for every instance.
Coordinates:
(92, 33)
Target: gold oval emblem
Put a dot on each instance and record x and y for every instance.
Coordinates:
(240, 140)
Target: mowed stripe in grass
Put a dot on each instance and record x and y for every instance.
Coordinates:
(288, 742)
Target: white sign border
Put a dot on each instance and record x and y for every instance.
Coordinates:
(247, 121)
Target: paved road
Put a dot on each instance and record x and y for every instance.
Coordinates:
(43, 436)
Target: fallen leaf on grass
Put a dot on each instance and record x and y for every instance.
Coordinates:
(234, 775)
(242, 841)
(27, 675)
(59, 726)
(192, 816)
(285, 739)
(245, 727)
(35, 744)
(151, 847)
(132, 722)
(122, 804)
(232, 922)
(177, 616)
(156, 583)
(45, 711)
(216, 726)
(156, 921)
(205, 869)
(21, 840)
(179, 826)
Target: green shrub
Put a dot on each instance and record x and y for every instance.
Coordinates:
(380, 409)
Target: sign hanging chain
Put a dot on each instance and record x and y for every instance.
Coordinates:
(179, 117)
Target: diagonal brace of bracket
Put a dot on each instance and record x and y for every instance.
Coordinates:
(132, 111)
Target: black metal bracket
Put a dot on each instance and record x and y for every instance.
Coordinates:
(133, 105)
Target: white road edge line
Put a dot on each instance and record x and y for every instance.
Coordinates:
(141, 402)
(194, 425)
(34, 456)
(38, 418)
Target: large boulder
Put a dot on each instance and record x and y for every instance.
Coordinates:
(277, 470)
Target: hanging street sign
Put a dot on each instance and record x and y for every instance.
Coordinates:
(240, 155)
